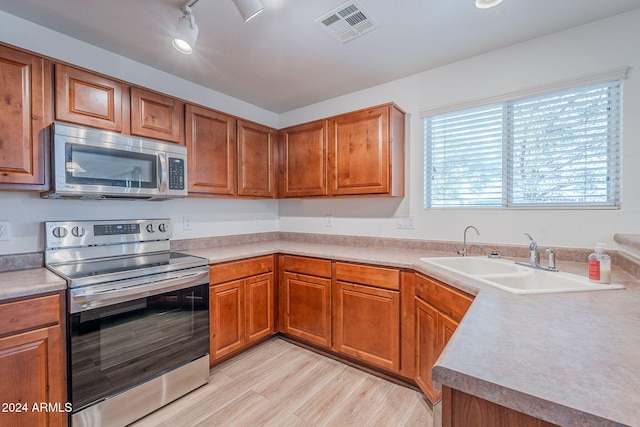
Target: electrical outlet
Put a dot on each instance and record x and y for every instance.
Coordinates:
(258, 220)
(406, 222)
(186, 222)
(328, 221)
(5, 231)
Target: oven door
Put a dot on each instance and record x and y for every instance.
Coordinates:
(121, 344)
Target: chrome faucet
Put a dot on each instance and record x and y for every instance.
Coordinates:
(534, 257)
(463, 252)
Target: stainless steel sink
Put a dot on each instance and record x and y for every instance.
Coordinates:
(514, 278)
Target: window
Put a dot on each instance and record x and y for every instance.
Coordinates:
(557, 149)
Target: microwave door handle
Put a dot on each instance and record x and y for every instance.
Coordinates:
(162, 172)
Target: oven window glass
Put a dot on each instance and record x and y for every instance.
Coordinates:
(117, 347)
(114, 168)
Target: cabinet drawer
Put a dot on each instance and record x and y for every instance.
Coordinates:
(29, 313)
(225, 272)
(450, 301)
(375, 276)
(310, 266)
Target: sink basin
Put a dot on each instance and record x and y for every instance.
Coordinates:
(472, 265)
(514, 278)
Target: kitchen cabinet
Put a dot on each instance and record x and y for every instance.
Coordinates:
(93, 100)
(256, 161)
(32, 361)
(438, 309)
(366, 152)
(89, 99)
(242, 304)
(460, 409)
(25, 112)
(304, 160)
(158, 116)
(211, 151)
(305, 299)
(367, 314)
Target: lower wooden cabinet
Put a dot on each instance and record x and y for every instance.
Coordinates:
(241, 304)
(460, 409)
(367, 314)
(305, 299)
(32, 362)
(438, 310)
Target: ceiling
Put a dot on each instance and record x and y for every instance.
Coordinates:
(282, 59)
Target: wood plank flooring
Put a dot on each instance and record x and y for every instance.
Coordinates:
(281, 384)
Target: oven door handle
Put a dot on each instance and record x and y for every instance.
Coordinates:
(144, 290)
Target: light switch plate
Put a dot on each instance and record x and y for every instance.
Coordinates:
(406, 222)
(5, 231)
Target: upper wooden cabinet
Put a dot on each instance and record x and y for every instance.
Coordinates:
(304, 160)
(88, 99)
(366, 152)
(158, 116)
(93, 100)
(211, 151)
(24, 113)
(256, 160)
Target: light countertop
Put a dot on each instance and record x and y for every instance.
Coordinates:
(29, 282)
(568, 358)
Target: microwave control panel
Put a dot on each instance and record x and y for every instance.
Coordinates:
(176, 173)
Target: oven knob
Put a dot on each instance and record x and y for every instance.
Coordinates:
(78, 231)
(150, 228)
(163, 227)
(60, 232)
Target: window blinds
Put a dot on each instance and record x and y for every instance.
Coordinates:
(553, 149)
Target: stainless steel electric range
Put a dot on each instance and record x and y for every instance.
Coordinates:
(138, 317)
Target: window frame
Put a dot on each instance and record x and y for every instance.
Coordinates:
(611, 78)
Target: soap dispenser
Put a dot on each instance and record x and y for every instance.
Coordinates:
(600, 265)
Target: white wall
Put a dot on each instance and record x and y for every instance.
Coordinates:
(587, 49)
(574, 53)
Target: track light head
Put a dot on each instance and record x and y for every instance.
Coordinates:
(248, 8)
(186, 32)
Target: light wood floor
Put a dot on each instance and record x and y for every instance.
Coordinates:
(280, 384)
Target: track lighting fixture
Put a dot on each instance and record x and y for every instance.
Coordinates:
(186, 33)
(248, 8)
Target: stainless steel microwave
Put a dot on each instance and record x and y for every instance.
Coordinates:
(95, 164)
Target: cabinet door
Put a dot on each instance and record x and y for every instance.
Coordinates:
(307, 307)
(22, 121)
(31, 363)
(259, 294)
(427, 347)
(154, 115)
(88, 99)
(211, 151)
(226, 318)
(359, 152)
(367, 324)
(256, 160)
(304, 155)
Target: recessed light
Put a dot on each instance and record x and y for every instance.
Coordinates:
(486, 4)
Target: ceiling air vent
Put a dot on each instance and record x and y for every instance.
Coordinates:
(348, 21)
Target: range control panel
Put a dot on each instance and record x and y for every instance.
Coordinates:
(66, 234)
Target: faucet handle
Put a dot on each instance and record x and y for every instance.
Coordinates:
(552, 259)
(532, 242)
